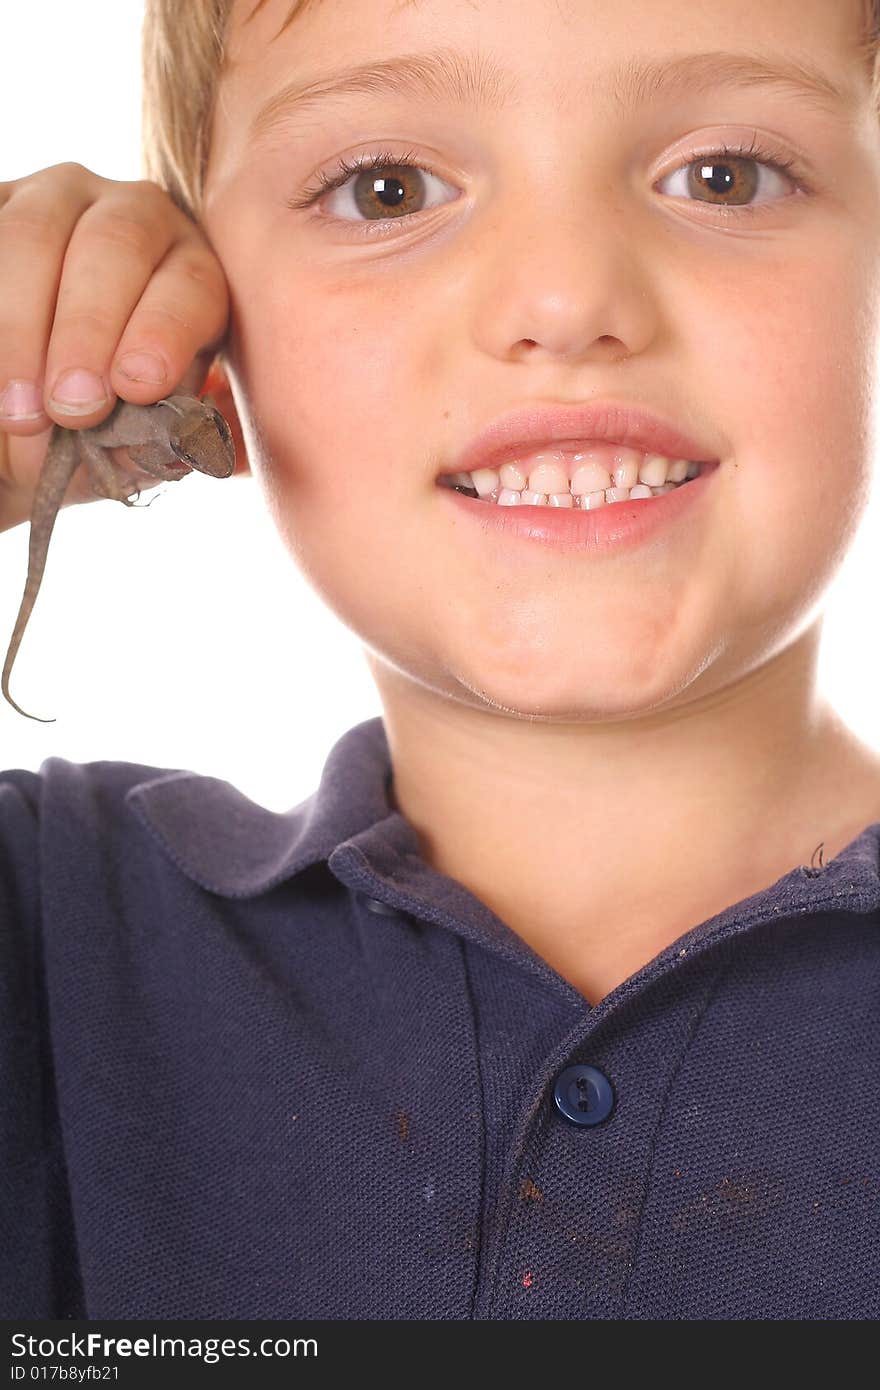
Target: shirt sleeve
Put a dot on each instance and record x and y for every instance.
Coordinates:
(38, 1264)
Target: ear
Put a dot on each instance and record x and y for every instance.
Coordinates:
(216, 385)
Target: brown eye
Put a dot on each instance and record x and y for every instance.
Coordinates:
(396, 192)
(728, 180)
(386, 191)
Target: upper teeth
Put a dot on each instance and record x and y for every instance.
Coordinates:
(586, 470)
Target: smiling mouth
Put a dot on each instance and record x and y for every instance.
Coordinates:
(583, 478)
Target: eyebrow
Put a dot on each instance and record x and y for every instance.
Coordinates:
(474, 80)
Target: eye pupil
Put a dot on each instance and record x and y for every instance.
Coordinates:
(719, 182)
(391, 191)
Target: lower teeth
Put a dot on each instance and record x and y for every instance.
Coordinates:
(576, 501)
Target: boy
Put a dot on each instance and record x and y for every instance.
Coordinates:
(540, 1006)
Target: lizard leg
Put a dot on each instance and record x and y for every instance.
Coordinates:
(108, 479)
(111, 480)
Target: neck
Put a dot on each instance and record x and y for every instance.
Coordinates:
(600, 844)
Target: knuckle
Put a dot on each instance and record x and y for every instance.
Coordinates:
(32, 225)
(201, 269)
(68, 167)
(143, 201)
(68, 175)
(80, 323)
(125, 231)
(148, 188)
(42, 200)
(13, 343)
(160, 318)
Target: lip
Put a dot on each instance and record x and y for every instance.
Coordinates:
(617, 422)
(616, 526)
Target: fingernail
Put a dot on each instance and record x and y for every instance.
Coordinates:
(78, 392)
(21, 400)
(143, 366)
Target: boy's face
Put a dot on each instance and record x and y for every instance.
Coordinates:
(541, 264)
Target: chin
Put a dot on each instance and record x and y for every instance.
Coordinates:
(565, 697)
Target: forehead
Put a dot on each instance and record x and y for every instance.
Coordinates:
(251, 22)
(612, 51)
(253, 27)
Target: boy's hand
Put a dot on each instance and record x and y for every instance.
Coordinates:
(96, 276)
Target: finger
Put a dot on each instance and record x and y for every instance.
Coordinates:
(113, 251)
(196, 374)
(179, 321)
(37, 217)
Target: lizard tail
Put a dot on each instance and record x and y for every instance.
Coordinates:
(53, 482)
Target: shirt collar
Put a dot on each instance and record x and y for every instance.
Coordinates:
(236, 848)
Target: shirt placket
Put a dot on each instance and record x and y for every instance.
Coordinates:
(563, 1235)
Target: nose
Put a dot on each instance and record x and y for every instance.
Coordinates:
(564, 272)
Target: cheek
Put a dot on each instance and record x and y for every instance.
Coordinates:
(793, 361)
(798, 352)
(344, 417)
(340, 384)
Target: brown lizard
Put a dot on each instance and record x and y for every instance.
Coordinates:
(166, 440)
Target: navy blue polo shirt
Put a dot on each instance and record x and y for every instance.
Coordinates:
(265, 1065)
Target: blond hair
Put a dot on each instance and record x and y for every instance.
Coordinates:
(183, 54)
(183, 57)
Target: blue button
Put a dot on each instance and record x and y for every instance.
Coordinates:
(584, 1095)
(377, 905)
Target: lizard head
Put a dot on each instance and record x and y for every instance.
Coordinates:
(203, 441)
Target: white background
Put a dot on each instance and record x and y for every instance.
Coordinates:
(182, 635)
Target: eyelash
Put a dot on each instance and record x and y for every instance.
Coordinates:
(327, 181)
